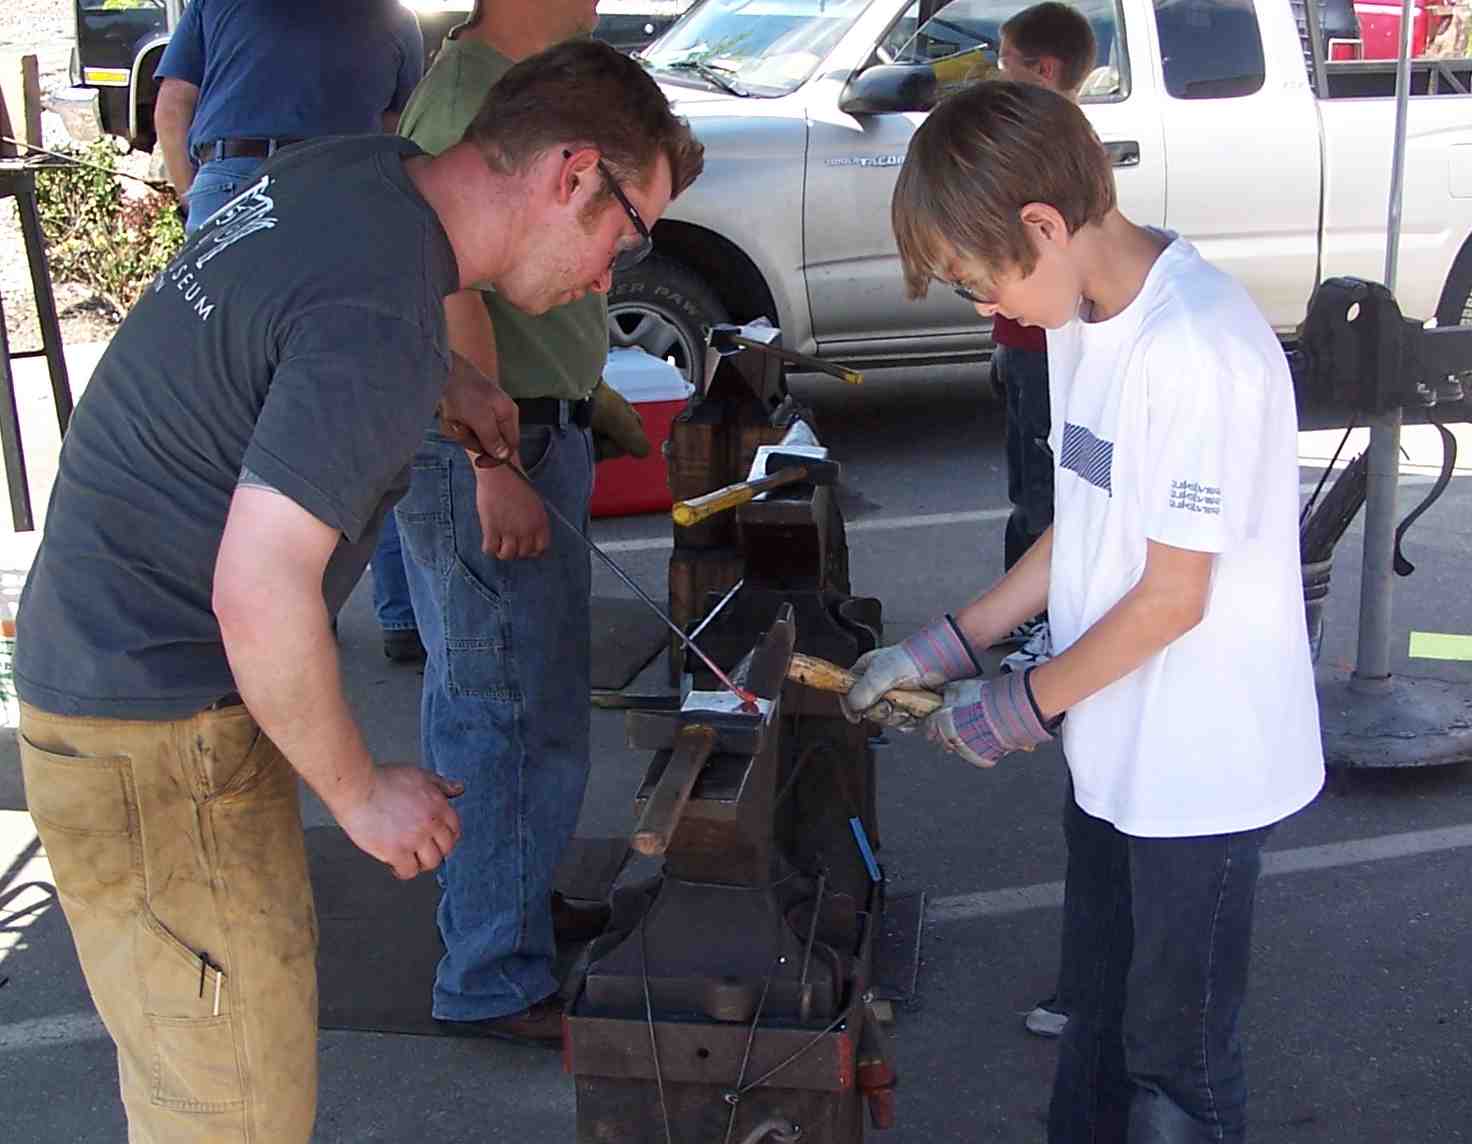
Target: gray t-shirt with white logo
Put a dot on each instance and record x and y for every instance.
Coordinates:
(299, 335)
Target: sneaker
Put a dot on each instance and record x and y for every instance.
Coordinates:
(1023, 632)
(1038, 649)
(403, 645)
(1045, 1020)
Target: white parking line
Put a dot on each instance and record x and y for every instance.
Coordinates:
(72, 1028)
(1049, 895)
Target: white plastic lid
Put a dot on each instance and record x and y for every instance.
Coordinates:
(642, 377)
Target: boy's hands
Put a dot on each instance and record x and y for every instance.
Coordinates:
(930, 658)
(982, 720)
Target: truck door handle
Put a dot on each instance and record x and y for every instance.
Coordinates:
(1123, 152)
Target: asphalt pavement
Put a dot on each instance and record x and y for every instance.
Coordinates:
(1359, 1023)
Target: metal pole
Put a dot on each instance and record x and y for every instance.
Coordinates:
(1372, 667)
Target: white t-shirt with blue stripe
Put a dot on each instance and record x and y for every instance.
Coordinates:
(1174, 421)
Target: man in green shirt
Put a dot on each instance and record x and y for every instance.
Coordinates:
(502, 598)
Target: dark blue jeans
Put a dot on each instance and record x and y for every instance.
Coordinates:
(505, 710)
(390, 582)
(1023, 374)
(1162, 930)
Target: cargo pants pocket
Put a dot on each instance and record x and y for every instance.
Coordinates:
(176, 1050)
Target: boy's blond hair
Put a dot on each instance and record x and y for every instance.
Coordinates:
(1057, 30)
(977, 160)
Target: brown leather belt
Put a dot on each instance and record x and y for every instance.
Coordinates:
(239, 149)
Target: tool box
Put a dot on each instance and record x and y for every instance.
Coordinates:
(630, 485)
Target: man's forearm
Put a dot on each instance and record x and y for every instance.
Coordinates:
(286, 668)
(176, 158)
(173, 114)
(1019, 595)
(472, 334)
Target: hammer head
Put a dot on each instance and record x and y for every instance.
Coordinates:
(819, 472)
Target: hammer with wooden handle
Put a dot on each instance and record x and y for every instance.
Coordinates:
(824, 676)
(782, 469)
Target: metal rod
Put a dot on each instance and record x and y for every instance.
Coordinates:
(746, 697)
(1398, 151)
(51, 340)
(1372, 662)
(716, 611)
(1316, 47)
(805, 996)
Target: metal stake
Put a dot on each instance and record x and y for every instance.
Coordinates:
(1372, 664)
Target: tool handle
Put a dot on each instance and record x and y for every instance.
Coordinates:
(802, 361)
(825, 676)
(667, 802)
(704, 507)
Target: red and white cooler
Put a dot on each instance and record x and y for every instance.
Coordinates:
(630, 485)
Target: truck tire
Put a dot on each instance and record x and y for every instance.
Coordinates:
(666, 309)
(1455, 308)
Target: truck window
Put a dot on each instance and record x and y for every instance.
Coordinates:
(1211, 49)
(118, 5)
(962, 39)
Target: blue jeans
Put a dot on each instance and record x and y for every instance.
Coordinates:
(1162, 928)
(1023, 374)
(215, 184)
(505, 711)
(390, 582)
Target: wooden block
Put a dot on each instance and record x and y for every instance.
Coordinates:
(20, 102)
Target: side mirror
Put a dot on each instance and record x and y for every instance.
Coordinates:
(890, 87)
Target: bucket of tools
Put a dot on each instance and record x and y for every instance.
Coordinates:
(1316, 576)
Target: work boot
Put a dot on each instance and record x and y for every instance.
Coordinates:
(541, 1025)
(572, 923)
(403, 645)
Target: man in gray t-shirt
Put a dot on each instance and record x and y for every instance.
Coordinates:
(219, 489)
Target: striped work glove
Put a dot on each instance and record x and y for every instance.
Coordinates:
(928, 660)
(984, 719)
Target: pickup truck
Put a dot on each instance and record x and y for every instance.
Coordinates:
(120, 42)
(1277, 169)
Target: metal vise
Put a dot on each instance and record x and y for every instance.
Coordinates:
(733, 992)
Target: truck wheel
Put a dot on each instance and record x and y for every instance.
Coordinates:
(666, 309)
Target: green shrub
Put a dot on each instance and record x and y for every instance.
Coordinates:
(112, 241)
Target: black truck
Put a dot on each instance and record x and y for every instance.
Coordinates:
(119, 43)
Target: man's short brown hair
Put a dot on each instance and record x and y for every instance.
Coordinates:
(1057, 30)
(977, 160)
(583, 93)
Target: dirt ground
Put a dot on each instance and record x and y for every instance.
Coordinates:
(44, 28)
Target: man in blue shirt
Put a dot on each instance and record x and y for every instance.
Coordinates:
(244, 77)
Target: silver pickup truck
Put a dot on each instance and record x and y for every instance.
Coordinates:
(1219, 128)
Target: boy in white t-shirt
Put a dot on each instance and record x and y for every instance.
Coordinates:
(1172, 582)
